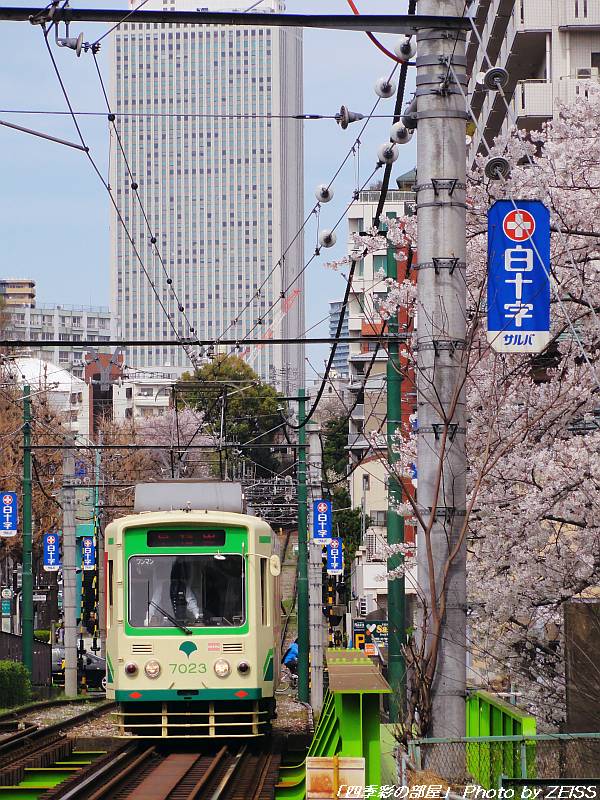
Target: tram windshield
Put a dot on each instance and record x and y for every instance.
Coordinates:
(186, 591)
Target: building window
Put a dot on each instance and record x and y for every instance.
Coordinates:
(378, 518)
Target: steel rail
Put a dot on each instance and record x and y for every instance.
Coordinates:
(79, 790)
(379, 23)
(230, 773)
(207, 775)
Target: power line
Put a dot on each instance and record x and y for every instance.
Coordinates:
(107, 187)
(135, 188)
(36, 343)
(182, 114)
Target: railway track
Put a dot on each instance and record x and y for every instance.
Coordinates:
(143, 773)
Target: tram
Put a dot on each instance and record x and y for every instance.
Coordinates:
(192, 614)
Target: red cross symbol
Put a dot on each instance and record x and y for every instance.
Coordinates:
(7, 499)
(322, 508)
(519, 225)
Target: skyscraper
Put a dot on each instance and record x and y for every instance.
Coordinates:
(219, 173)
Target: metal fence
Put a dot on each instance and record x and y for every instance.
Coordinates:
(11, 649)
(490, 761)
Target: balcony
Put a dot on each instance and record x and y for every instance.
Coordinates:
(359, 411)
(579, 14)
(532, 98)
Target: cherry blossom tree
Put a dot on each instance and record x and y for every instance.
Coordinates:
(533, 449)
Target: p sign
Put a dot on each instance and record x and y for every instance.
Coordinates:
(322, 521)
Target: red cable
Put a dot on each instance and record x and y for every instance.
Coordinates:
(374, 39)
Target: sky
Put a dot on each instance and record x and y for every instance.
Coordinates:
(54, 211)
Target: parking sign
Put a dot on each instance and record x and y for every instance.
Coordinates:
(518, 282)
(10, 514)
(322, 521)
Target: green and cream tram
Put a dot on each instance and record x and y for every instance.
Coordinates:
(192, 614)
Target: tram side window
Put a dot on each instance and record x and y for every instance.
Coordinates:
(110, 588)
(264, 591)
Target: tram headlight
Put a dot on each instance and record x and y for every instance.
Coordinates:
(243, 667)
(222, 668)
(131, 668)
(152, 669)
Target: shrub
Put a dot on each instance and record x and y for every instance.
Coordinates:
(42, 636)
(15, 684)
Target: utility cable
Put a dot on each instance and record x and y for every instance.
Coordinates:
(108, 189)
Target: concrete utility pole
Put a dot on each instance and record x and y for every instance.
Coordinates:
(441, 250)
(302, 555)
(27, 584)
(315, 572)
(68, 573)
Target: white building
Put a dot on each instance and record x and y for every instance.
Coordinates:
(67, 395)
(220, 179)
(62, 323)
(550, 48)
(367, 444)
(138, 396)
(368, 417)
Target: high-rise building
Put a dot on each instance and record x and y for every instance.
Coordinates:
(550, 49)
(220, 174)
(17, 292)
(342, 351)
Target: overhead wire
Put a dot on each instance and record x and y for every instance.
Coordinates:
(114, 203)
(314, 210)
(135, 188)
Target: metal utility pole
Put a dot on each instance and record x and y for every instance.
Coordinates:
(395, 523)
(302, 555)
(315, 573)
(441, 333)
(27, 585)
(68, 574)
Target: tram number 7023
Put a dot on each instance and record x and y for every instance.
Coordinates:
(189, 669)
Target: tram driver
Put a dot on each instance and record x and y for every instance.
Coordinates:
(173, 592)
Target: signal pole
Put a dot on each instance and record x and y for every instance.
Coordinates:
(27, 584)
(302, 555)
(441, 342)
(395, 523)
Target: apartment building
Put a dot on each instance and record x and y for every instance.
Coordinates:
(551, 50)
(367, 362)
(17, 292)
(67, 323)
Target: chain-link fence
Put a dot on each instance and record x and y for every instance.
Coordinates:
(488, 760)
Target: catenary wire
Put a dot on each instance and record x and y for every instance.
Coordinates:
(107, 187)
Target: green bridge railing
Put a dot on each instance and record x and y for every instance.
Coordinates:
(349, 725)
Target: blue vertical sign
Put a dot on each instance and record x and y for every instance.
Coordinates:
(322, 521)
(88, 553)
(335, 557)
(10, 514)
(51, 552)
(518, 276)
